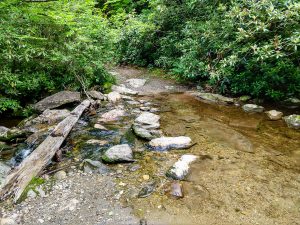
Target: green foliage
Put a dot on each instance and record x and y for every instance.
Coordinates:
(50, 46)
(239, 46)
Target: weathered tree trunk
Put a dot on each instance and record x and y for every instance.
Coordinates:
(20, 177)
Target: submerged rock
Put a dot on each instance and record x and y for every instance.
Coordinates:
(118, 153)
(136, 83)
(147, 190)
(166, 143)
(176, 190)
(123, 90)
(216, 98)
(112, 115)
(144, 133)
(114, 97)
(293, 121)
(58, 99)
(149, 119)
(181, 168)
(274, 115)
(253, 108)
(96, 95)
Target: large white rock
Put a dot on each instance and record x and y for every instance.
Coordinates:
(112, 115)
(114, 97)
(181, 168)
(124, 90)
(147, 118)
(253, 108)
(293, 121)
(274, 115)
(166, 143)
(118, 153)
(136, 83)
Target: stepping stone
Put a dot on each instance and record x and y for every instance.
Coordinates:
(118, 153)
(113, 97)
(147, 118)
(166, 143)
(253, 108)
(274, 115)
(112, 115)
(293, 121)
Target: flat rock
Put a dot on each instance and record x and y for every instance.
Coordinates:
(274, 115)
(99, 126)
(181, 168)
(96, 95)
(118, 153)
(176, 190)
(112, 115)
(216, 98)
(114, 97)
(136, 83)
(147, 118)
(49, 116)
(124, 90)
(293, 121)
(253, 108)
(58, 99)
(144, 133)
(166, 143)
(97, 142)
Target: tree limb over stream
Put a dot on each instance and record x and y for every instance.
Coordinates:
(20, 177)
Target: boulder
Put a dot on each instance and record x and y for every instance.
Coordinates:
(253, 108)
(118, 153)
(216, 98)
(293, 121)
(148, 119)
(114, 97)
(136, 83)
(124, 90)
(3, 132)
(274, 115)
(58, 99)
(112, 115)
(181, 168)
(49, 116)
(11, 134)
(166, 143)
(144, 133)
(96, 95)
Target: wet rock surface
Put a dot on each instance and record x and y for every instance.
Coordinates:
(252, 108)
(118, 153)
(274, 115)
(293, 121)
(167, 143)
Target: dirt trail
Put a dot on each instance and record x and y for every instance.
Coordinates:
(226, 185)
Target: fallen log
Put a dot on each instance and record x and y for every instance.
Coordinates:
(20, 177)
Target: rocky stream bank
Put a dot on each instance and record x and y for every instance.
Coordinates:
(153, 152)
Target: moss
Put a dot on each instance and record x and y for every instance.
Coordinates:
(35, 182)
(106, 159)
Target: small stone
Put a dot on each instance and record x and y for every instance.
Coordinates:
(99, 126)
(118, 153)
(181, 168)
(97, 142)
(114, 97)
(41, 221)
(253, 108)
(146, 177)
(31, 194)
(293, 121)
(60, 175)
(176, 190)
(166, 143)
(274, 115)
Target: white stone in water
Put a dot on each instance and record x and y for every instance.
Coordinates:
(114, 97)
(181, 168)
(112, 115)
(253, 108)
(136, 83)
(293, 121)
(123, 90)
(166, 143)
(148, 119)
(274, 115)
(99, 126)
(118, 153)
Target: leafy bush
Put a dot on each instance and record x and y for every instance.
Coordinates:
(50, 46)
(240, 46)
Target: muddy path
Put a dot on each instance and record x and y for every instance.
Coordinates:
(247, 171)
